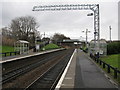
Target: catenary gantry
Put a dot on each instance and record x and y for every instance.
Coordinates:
(93, 7)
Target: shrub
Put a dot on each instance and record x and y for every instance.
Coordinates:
(85, 49)
(50, 46)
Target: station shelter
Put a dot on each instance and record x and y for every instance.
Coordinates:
(21, 46)
(103, 47)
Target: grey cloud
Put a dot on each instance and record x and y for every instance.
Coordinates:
(70, 23)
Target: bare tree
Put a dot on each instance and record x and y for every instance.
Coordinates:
(22, 27)
(5, 31)
(6, 36)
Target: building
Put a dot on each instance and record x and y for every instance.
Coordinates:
(70, 43)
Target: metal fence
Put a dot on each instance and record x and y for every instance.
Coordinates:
(9, 54)
(106, 66)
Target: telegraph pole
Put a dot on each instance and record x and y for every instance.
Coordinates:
(110, 33)
(44, 34)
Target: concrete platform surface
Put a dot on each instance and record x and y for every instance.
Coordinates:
(84, 74)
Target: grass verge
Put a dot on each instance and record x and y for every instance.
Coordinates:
(5, 49)
(114, 61)
(50, 46)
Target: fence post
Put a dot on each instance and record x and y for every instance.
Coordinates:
(103, 65)
(115, 73)
(97, 60)
(94, 58)
(10, 53)
(15, 53)
(100, 62)
(108, 70)
(18, 52)
(5, 54)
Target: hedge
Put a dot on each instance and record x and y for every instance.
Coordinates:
(113, 48)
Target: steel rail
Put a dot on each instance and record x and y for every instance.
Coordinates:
(50, 77)
(19, 71)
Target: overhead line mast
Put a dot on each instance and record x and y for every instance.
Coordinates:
(93, 7)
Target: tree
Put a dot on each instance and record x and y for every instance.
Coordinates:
(22, 27)
(46, 39)
(7, 38)
(6, 32)
(57, 37)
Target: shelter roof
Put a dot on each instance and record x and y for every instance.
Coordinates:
(22, 41)
(71, 40)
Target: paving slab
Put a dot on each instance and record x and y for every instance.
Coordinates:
(84, 74)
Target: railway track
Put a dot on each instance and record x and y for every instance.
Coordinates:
(21, 70)
(49, 79)
(13, 74)
(11, 66)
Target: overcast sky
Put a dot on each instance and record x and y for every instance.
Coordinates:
(70, 23)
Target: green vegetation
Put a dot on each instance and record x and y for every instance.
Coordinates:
(85, 49)
(113, 48)
(6, 49)
(50, 46)
(113, 60)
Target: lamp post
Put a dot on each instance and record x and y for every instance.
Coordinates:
(90, 14)
(86, 33)
(81, 38)
(110, 33)
(41, 38)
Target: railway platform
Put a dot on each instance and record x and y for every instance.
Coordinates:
(83, 74)
(12, 58)
(17, 56)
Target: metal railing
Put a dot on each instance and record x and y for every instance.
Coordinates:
(9, 54)
(109, 68)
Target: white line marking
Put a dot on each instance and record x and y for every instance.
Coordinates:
(67, 85)
(68, 77)
(64, 73)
